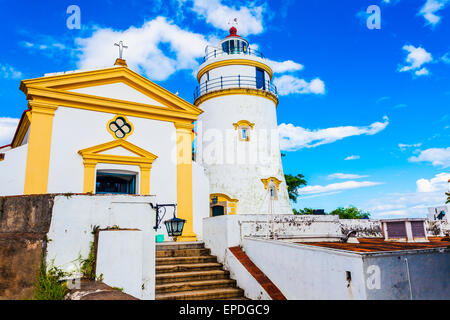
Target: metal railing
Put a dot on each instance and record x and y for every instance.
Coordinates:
(217, 52)
(231, 82)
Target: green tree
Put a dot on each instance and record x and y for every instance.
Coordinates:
(293, 183)
(350, 213)
(448, 197)
(306, 211)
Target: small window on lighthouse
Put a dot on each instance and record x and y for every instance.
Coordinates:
(273, 192)
(244, 134)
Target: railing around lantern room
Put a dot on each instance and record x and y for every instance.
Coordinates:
(231, 82)
(213, 52)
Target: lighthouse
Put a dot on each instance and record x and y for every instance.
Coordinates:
(237, 141)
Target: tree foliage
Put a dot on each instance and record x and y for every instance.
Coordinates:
(350, 213)
(293, 183)
(305, 211)
(343, 213)
(448, 197)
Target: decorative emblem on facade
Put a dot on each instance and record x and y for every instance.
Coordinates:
(120, 127)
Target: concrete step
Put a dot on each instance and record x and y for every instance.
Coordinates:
(195, 285)
(210, 294)
(182, 253)
(179, 245)
(185, 260)
(188, 267)
(164, 278)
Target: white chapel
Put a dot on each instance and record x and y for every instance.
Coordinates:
(113, 131)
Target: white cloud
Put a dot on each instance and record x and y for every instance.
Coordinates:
(349, 158)
(46, 44)
(403, 146)
(430, 8)
(416, 58)
(446, 58)
(7, 129)
(8, 72)
(294, 138)
(285, 66)
(439, 182)
(422, 72)
(345, 176)
(347, 185)
(145, 54)
(250, 20)
(437, 156)
(429, 193)
(288, 84)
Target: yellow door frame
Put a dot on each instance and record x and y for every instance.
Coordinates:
(92, 156)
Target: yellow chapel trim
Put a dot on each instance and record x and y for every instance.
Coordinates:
(39, 145)
(93, 155)
(184, 180)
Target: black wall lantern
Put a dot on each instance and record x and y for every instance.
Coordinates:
(174, 226)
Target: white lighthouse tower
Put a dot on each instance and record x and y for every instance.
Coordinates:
(237, 141)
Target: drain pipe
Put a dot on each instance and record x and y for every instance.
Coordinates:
(409, 279)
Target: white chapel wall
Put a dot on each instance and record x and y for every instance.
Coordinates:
(12, 171)
(76, 129)
(118, 91)
(200, 191)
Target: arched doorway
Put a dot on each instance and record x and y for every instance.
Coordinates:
(218, 211)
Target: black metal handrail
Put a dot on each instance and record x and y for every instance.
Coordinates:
(230, 82)
(217, 52)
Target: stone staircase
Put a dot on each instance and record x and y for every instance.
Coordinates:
(187, 271)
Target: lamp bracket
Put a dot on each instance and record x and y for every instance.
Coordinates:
(158, 208)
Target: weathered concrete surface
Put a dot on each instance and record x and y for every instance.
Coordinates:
(24, 223)
(93, 290)
(364, 228)
(20, 260)
(372, 228)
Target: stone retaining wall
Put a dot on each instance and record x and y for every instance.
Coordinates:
(24, 224)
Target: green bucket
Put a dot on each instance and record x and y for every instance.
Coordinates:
(159, 238)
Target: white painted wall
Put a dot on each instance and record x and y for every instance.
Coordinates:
(118, 91)
(235, 167)
(119, 260)
(74, 218)
(75, 129)
(252, 289)
(308, 273)
(12, 171)
(200, 189)
(220, 233)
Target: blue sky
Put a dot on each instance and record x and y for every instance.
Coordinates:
(378, 96)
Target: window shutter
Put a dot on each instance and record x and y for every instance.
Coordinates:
(418, 230)
(396, 230)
